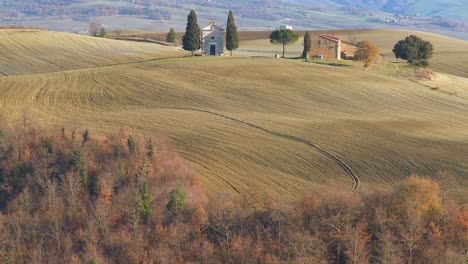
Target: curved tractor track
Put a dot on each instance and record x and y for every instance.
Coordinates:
(345, 167)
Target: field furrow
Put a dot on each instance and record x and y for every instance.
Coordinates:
(277, 127)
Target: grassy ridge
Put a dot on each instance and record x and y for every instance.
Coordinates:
(33, 51)
(382, 127)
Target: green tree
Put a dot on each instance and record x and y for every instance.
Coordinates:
(150, 150)
(93, 261)
(192, 39)
(78, 162)
(84, 175)
(177, 200)
(145, 200)
(232, 36)
(414, 49)
(283, 37)
(307, 44)
(132, 144)
(142, 200)
(86, 136)
(75, 159)
(102, 32)
(171, 36)
(117, 151)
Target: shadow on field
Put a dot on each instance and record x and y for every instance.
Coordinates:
(334, 64)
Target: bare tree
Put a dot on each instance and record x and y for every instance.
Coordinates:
(389, 250)
(356, 241)
(95, 28)
(71, 188)
(54, 207)
(411, 232)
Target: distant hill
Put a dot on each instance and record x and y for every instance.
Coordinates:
(437, 16)
(449, 9)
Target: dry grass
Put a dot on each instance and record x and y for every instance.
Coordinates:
(450, 55)
(32, 51)
(258, 118)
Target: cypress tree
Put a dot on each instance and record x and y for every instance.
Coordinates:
(191, 40)
(102, 32)
(307, 44)
(232, 36)
(171, 36)
(85, 136)
(132, 144)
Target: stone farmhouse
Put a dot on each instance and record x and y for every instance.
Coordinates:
(212, 39)
(331, 47)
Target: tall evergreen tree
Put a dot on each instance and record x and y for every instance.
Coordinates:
(192, 39)
(232, 36)
(171, 36)
(307, 44)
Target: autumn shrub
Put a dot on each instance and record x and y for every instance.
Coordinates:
(417, 197)
(62, 201)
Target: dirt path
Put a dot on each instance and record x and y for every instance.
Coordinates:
(345, 167)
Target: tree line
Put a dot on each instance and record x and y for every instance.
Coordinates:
(191, 41)
(413, 49)
(75, 196)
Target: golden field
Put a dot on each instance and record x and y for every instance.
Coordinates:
(252, 124)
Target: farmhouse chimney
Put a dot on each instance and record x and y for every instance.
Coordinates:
(338, 50)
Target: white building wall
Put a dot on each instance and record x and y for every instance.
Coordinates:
(213, 36)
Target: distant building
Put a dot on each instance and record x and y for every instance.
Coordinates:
(212, 39)
(330, 47)
(286, 27)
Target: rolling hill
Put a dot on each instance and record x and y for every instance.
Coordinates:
(452, 9)
(37, 51)
(246, 124)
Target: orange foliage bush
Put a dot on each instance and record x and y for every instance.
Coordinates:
(47, 214)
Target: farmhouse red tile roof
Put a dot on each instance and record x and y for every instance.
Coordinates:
(331, 38)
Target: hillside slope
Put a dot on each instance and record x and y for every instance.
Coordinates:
(270, 126)
(38, 51)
